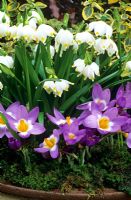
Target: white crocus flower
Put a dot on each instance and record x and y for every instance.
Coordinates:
(63, 38)
(46, 29)
(85, 37)
(56, 87)
(7, 61)
(79, 65)
(1, 86)
(101, 28)
(4, 18)
(90, 71)
(4, 30)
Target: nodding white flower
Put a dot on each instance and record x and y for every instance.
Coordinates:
(1, 86)
(4, 30)
(52, 51)
(79, 65)
(46, 30)
(101, 28)
(35, 15)
(33, 23)
(112, 48)
(128, 65)
(13, 31)
(63, 38)
(4, 18)
(85, 37)
(90, 71)
(56, 87)
(102, 45)
(7, 61)
(26, 32)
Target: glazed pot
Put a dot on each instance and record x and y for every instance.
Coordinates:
(108, 194)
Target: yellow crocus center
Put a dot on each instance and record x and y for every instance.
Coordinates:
(2, 121)
(125, 135)
(104, 123)
(23, 126)
(49, 142)
(68, 120)
(71, 136)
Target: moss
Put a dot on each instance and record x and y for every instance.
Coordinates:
(105, 168)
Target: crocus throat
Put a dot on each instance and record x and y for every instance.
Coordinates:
(49, 142)
(104, 123)
(68, 120)
(23, 126)
(71, 136)
(2, 121)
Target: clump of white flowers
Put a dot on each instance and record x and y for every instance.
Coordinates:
(57, 87)
(102, 45)
(7, 61)
(101, 28)
(88, 71)
(63, 38)
(1, 86)
(85, 37)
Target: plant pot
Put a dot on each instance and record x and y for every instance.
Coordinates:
(75, 195)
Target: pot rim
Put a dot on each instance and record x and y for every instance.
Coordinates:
(39, 194)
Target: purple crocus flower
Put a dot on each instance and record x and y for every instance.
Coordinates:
(59, 119)
(90, 138)
(25, 123)
(3, 128)
(14, 143)
(123, 97)
(127, 129)
(50, 145)
(100, 97)
(106, 122)
(72, 133)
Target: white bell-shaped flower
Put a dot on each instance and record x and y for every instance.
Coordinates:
(13, 32)
(85, 37)
(79, 65)
(52, 51)
(63, 38)
(46, 29)
(4, 30)
(128, 65)
(7, 61)
(112, 48)
(101, 28)
(1, 86)
(90, 71)
(49, 86)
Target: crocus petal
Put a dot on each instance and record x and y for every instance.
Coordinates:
(37, 129)
(121, 102)
(41, 150)
(84, 106)
(8, 134)
(52, 119)
(13, 107)
(57, 114)
(120, 92)
(111, 113)
(54, 152)
(128, 140)
(97, 91)
(33, 114)
(21, 113)
(106, 95)
(24, 135)
(91, 121)
(2, 132)
(2, 108)
(120, 120)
